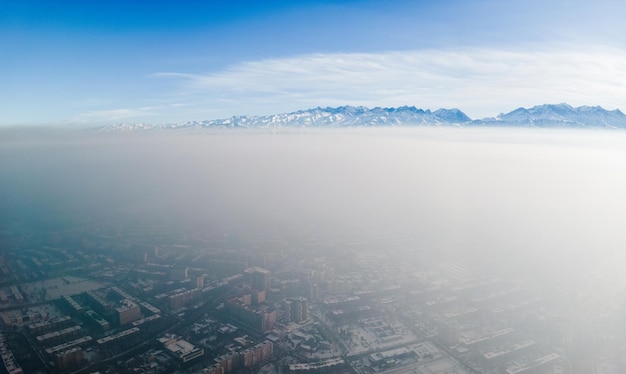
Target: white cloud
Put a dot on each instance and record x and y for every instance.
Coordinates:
(481, 82)
(115, 114)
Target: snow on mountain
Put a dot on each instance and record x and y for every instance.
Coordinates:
(546, 115)
(344, 116)
(559, 115)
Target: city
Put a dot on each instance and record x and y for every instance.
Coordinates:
(121, 300)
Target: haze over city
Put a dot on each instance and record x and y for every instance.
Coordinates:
(337, 187)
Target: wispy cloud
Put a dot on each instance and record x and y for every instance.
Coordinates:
(481, 82)
(115, 114)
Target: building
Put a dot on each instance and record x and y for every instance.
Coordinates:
(493, 359)
(57, 336)
(228, 362)
(97, 321)
(299, 309)
(179, 274)
(69, 359)
(127, 312)
(181, 349)
(180, 299)
(123, 293)
(45, 326)
(258, 297)
(67, 345)
(259, 278)
(200, 281)
(261, 319)
(213, 369)
(539, 365)
(75, 308)
(329, 366)
(116, 338)
(152, 318)
(263, 352)
(247, 358)
(287, 306)
(149, 308)
(10, 364)
(385, 358)
(313, 291)
(99, 303)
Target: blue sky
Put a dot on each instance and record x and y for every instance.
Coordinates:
(84, 62)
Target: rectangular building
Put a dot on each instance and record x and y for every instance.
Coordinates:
(181, 349)
(127, 312)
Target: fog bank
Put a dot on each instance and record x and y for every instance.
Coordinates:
(546, 197)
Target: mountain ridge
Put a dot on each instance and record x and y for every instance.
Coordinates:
(559, 115)
(544, 115)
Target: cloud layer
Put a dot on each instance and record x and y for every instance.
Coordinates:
(482, 82)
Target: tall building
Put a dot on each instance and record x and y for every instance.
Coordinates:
(299, 309)
(259, 278)
(200, 281)
(228, 361)
(287, 306)
(314, 291)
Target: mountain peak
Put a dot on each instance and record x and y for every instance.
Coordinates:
(544, 115)
(559, 115)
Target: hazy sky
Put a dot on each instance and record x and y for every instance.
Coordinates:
(554, 197)
(158, 61)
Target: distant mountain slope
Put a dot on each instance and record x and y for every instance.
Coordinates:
(345, 116)
(558, 115)
(546, 115)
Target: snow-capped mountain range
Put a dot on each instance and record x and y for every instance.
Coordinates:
(559, 115)
(547, 115)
